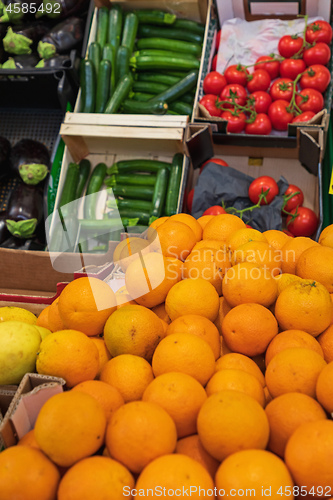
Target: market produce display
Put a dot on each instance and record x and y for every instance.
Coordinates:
(141, 62)
(279, 89)
(192, 382)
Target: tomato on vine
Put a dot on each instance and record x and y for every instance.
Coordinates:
(302, 222)
(316, 77)
(291, 68)
(280, 115)
(214, 210)
(259, 80)
(263, 185)
(319, 31)
(236, 121)
(310, 100)
(282, 88)
(236, 73)
(320, 53)
(209, 102)
(233, 93)
(262, 101)
(272, 66)
(260, 126)
(289, 45)
(303, 117)
(218, 161)
(293, 197)
(214, 82)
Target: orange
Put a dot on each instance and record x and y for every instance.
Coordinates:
(43, 318)
(236, 380)
(149, 278)
(129, 374)
(230, 421)
(158, 222)
(326, 237)
(291, 338)
(200, 326)
(29, 440)
(176, 239)
(222, 226)
(305, 305)
(123, 298)
(139, 432)
(131, 250)
(309, 456)
(68, 354)
(242, 236)
(192, 447)
(316, 263)
(26, 473)
(107, 396)
(268, 397)
(294, 370)
(95, 477)
(161, 312)
(190, 221)
(185, 353)
(285, 279)
(325, 340)
(134, 330)
(181, 396)
(292, 250)
(276, 238)
(259, 253)
(236, 361)
(213, 244)
(249, 328)
(174, 474)
(247, 282)
(55, 323)
(103, 353)
(63, 421)
(257, 471)
(192, 297)
(324, 388)
(165, 326)
(204, 219)
(85, 304)
(286, 413)
(224, 308)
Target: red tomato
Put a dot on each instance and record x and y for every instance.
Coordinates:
(316, 77)
(319, 31)
(214, 63)
(236, 73)
(296, 200)
(189, 200)
(214, 83)
(303, 117)
(291, 68)
(282, 88)
(214, 210)
(233, 93)
(209, 101)
(261, 185)
(259, 80)
(279, 114)
(304, 224)
(272, 68)
(218, 161)
(261, 125)
(236, 121)
(288, 233)
(218, 39)
(289, 45)
(310, 100)
(262, 101)
(318, 54)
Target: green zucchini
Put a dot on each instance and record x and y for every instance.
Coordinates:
(187, 24)
(88, 86)
(95, 183)
(159, 78)
(132, 213)
(139, 165)
(166, 44)
(131, 24)
(102, 226)
(103, 86)
(102, 26)
(172, 196)
(155, 17)
(84, 171)
(144, 63)
(183, 108)
(69, 190)
(159, 52)
(178, 74)
(125, 204)
(141, 96)
(158, 107)
(131, 180)
(188, 98)
(169, 112)
(147, 31)
(95, 55)
(109, 54)
(136, 192)
(178, 89)
(160, 191)
(149, 87)
(115, 26)
(122, 62)
(121, 92)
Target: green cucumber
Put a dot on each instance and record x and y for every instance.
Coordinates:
(159, 78)
(188, 98)
(158, 107)
(178, 89)
(88, 86)
(143, 205)
(69, 189)
(147, 31)
(103, 86)
(120, 94)
(102, 226)
(187, 24)
(95, 183)
(136, 192)
(166, 44)
(95, 55)
(132, 213)
(149, 87)
(160, 191)
(159, 52)
(138, 165)
(141, 96)
(155, 17)
(178, 74)
(183, 108)
(172, 196)
(102, 26)
(115, 26)
(131, 24)
(122, 62)
(84, 171)
(183, 63)
(109, 54)
(169, 112)
(131, 180)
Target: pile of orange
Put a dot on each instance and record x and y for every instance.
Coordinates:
(214, 370)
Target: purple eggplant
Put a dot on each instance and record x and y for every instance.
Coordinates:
(25, 210)
(55, 62)
(4, 233)
(14, 243)
(62, 38)
(26, 61)
(59, 9)
(4, 157)
(30, 160)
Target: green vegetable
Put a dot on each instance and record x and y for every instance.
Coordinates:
(144, 63)
(121, 92)
(22, 228)
(131, 24)
(70, 186)
(141, 96)
(149, 87)
(94, 185)
(103, 86)
(147, 31)
(136, 192)
(122, 62)
(178, 89)
(131, 180)
(46, 50)
(131, 213)
(9, 64)
(95, 55)
(115, 26)
(127, 166)
(155, 17)
(158, 52)
(172, 196)
(183, 108)
(160, 192)
(166, 44)
(143, 205)
(159, 78)
(158, 107)
(14, 43)
(88, 86)
(100, 226)
(84, 171)
(102, 26)
(187, 24)
(109, 54)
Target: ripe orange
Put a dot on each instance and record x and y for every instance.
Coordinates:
(26, 473)
(309, 457)
(200, 326)
(291, 338)
(316, 263)
(305, 305)
(129, 374)
(247, 282)
(224, 308)
(324, 388)
(276, 238)
(204, 219)
(29, 440)
(107, 396)
(133, 330)
(242, 236)
(43, 318)
(181, 396)
(68, 354)
(286, 413)
(236, 361)
(139, 432)
(325, 340)
(176, 239)
(55, 323)
(192, 297)
(85, 304)
(236, 380)
(123, 298)
(292, 250)
(213, 244)
(285, 279)
(161, 312)
(95, 477)
(222, 226)
(230, 421)
(294, 370)
(156, 223)
(192, 447)
(249, 328)
(257, 471)
(326, 237)
(130, 250)
(103, 353)
(259, 253)
(61, 423)
(190, 221)
(185, 353)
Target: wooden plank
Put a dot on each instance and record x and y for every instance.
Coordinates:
(81, 131)
(126, 120)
